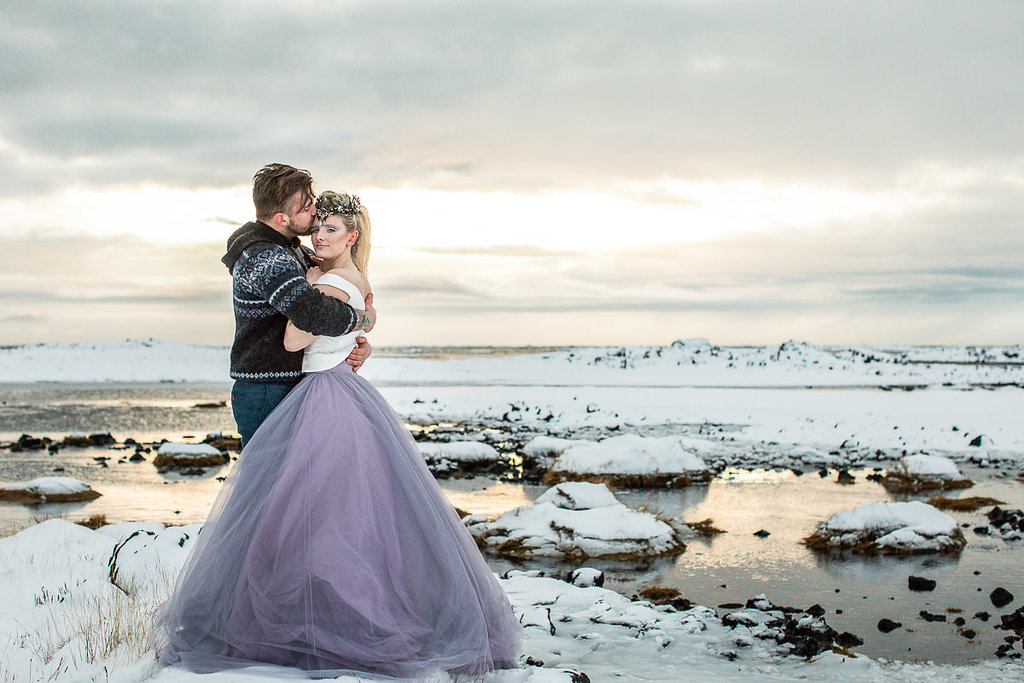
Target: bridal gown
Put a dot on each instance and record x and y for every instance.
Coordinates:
(332, 549)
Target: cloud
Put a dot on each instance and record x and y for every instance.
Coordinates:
(519, 95)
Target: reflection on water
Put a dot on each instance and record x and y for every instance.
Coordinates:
(855, 591)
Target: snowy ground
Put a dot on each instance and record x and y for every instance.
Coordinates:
(794, 406)
(63, 618)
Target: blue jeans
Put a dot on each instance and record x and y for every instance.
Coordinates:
(251, 402)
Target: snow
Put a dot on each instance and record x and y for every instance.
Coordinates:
(928, 466)
(49, 486)
(903, 527)
(458, 451)
(694, 363)
(576, 519)
(630, 454)
(546, 446)
(62, 619)
(188, 450)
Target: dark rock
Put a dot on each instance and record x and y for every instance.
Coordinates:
(1006, 650)
(845, 477)
(888, 626)
(731, 605)
(959, 621)
(762, 533)
(27, 442)
(976, 441)
(530, 661)
(920, 583)
(101, 439)
(969, 634)
(983, 616)
(805, 647)
(1000, 597)
(823, 473)
(1013, 621)
(875, 477)
(928, 616)
(815, 610)
(681, 604)
(981, 530)
(848, 640)
(137, 458)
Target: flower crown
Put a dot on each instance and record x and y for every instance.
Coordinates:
(330, 203)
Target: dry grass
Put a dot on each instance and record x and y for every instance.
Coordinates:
(903, 484)
(36, 498)
(94, 522)
(969, 504)
(705, 527)
(109, 629)
(631, 481)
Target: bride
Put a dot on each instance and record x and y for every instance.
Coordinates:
(331, 548)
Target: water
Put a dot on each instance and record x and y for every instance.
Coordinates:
(855, 591)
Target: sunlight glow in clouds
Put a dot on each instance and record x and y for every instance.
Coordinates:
(630, 214)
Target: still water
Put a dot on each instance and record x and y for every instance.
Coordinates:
(728, 568)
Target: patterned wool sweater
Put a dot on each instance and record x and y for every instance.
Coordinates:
(269, 288)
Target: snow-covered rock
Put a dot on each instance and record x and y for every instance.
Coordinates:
(889, 528)
(460, 457)
(920, 472)
(577, 519)
(630, 460)
(188, 455)
(541, 451)
(49, 490)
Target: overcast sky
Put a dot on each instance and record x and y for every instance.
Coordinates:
(537, 172)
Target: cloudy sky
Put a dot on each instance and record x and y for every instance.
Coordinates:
(537, 172)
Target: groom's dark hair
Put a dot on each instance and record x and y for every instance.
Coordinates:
(275, 184)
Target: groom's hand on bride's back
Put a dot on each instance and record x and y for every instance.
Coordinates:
(359, 354)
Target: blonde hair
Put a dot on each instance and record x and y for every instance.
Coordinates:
(354, 216)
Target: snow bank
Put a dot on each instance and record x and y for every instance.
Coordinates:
(543, 450)
(889, 528)
(631, 460)
(576, 519)
(459, 451)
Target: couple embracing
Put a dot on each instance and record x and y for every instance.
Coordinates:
(330, 548)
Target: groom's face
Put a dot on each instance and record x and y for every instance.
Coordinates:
(302, 211)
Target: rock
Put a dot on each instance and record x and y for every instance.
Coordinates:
(762, 533)
(101, 439)
(584, 577)
(138, 457)
(928, 616)
(888, 625)
(920, 584)
(845, 477)
(848, 640)
(1000, 597)
(983, 616)
(1013, 621)
(968, 633)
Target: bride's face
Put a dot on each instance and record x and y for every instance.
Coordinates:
(331, 238)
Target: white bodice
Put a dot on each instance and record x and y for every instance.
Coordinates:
(327, 352)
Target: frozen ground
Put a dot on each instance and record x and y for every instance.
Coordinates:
(66, 614)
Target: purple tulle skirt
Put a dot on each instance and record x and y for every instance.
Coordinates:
(332, 549)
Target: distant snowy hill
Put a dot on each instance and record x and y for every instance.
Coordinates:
(694, 363)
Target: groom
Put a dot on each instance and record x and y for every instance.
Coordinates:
(268, 271)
